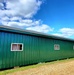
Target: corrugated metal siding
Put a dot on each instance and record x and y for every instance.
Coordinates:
(36, 49)
(30, 32)
(0, 53)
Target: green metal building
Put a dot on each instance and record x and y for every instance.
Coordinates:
(20, 47)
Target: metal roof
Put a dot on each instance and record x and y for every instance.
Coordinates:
(30, 32)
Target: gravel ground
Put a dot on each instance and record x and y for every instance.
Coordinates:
(61, 68)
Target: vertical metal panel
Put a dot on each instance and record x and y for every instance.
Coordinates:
(35, 49)
(0, 51)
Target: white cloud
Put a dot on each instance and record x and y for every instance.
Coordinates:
(59, 34)
(25, 8)
(29, 24)
(19, 21)
(5, 18)
(1, 6)
(15, 18)
(65, 32)
(13, 1)
(1, 0)
(43, 28)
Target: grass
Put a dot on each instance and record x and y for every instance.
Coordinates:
(33, 66)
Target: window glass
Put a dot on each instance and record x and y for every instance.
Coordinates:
(56, 47)
(16, 47)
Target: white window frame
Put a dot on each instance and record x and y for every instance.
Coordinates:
(17, 44)
(73, 47)
(56, 45)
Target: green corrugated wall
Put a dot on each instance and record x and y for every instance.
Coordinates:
(36, 49)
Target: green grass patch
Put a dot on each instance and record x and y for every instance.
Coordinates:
(34, 66)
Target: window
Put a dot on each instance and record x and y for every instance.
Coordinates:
(73, 47)
(16, 47)
(56, 47)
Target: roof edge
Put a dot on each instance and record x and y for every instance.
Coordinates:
(31, 32)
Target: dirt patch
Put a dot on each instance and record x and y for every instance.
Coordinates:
(61, 68)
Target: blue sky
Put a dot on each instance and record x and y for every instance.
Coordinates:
(54, 17)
